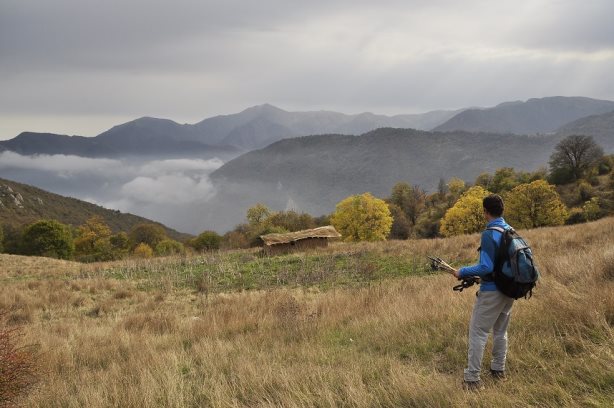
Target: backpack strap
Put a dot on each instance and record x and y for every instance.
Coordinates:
(500, 229)
(499, 254)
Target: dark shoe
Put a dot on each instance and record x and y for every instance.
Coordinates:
(473, 386)
(498, 375)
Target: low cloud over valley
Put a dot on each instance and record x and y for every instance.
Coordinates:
(172, 191)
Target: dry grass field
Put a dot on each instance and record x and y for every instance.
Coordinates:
(355, 325)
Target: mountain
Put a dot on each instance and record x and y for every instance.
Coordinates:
(262, 125)
(600, 127)
(141, 137)
(21, 204)
(537, 115)
(316, 172)
(220, 136)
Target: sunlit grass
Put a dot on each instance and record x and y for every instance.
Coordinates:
(352, 325)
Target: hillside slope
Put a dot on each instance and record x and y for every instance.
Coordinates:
(21, 204)
(536, 115)
(600, 127)
(316, 172)
(360, 325)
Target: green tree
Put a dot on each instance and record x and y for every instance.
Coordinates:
(207, 240)
(48, 238)
(12, 239)
(362, 218)
(410, 199)
(456, 186)
(504, 179)
(573, 157)
(442, 188)
(467, 215)
(401, 226)
(120, 241)
(484, 180)
(258, 214)
(120, 244)
(150, 234)
(536, 204)
(168, 247)
(291, 220)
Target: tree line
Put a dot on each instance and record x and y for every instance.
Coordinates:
(577, 187)
(93, 241)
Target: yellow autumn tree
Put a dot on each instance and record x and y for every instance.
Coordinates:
(362, 218)
(93, 240)
(536, 204)
(466, 216)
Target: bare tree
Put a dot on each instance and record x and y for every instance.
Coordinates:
(575, 155)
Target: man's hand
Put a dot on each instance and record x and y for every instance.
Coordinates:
(440, 264)
(450, 269)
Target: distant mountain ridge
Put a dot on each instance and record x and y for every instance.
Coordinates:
(222, 136)
(316, 172)
(536, 115)
(600, 127)
(21, 204)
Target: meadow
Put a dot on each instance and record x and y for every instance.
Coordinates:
(353, 325)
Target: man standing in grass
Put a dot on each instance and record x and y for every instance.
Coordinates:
(492, 308)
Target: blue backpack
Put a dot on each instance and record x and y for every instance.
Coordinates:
(515, 273)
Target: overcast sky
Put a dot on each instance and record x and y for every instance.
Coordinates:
(82, 66)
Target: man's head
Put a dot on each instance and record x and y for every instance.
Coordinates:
(493, 206)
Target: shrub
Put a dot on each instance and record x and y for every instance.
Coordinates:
(143, 250)
(576, 216)
(150, 234)
(48, 238)
(169, 247)
(592, 209)
(205, 241)
(18, 365)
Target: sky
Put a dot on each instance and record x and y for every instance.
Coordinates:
(83, 66)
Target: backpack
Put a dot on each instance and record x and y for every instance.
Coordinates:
(515, 273)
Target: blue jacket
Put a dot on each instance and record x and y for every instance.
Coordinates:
(489, 246)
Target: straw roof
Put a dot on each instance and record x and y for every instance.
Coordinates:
(321, 232)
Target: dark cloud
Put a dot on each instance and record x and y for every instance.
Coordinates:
(187, 60)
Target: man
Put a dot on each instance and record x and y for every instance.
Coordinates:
(492, 308)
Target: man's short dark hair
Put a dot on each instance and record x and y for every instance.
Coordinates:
(493, 204)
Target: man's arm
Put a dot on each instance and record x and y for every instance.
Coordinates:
(485, 265)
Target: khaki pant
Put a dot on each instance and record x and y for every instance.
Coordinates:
(490, 312)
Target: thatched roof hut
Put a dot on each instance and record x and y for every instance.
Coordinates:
(299, 240)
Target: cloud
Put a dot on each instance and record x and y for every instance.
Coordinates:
(172, 191)
(168, 189)
(191, 59)
(63, 165)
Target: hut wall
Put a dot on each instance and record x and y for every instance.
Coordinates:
(301, 245)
